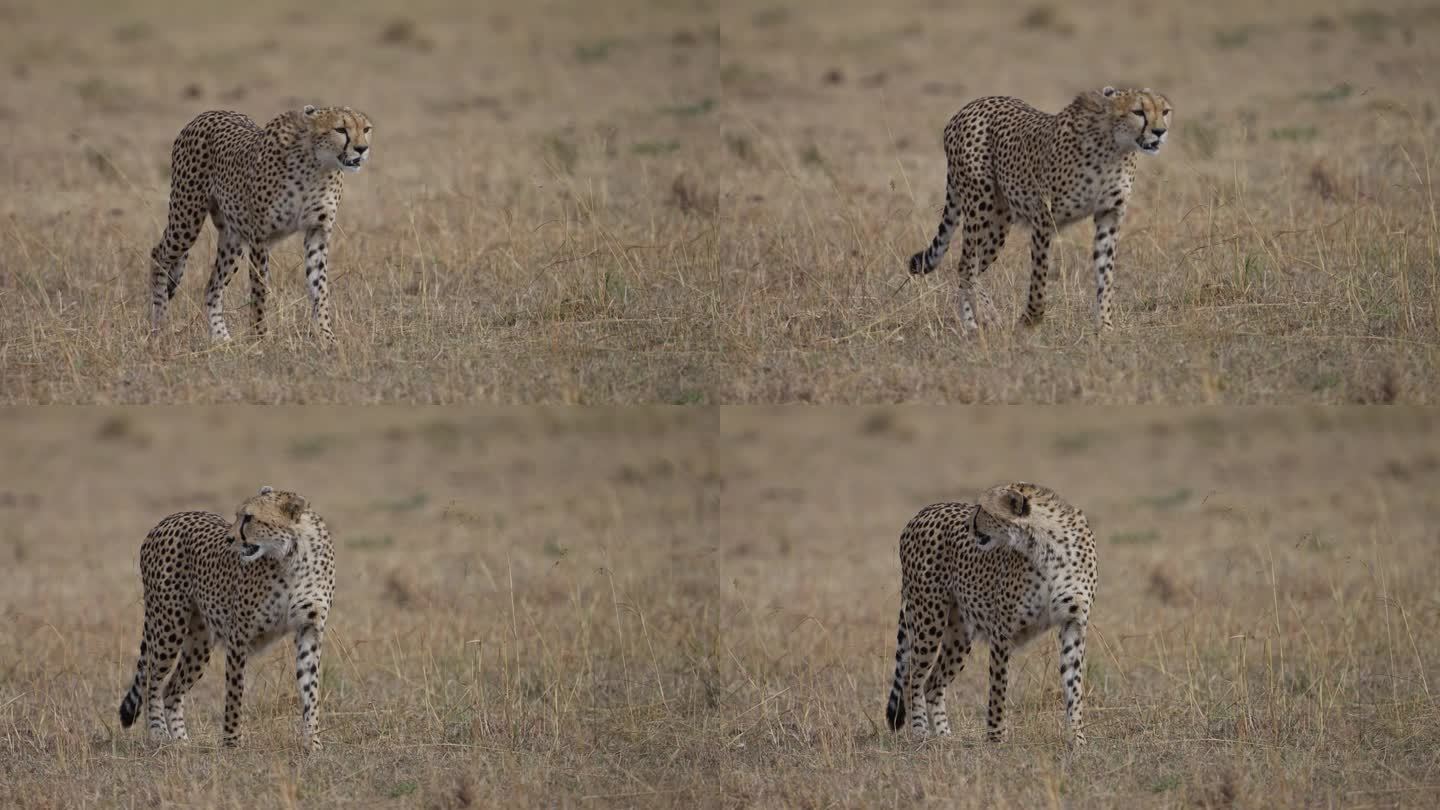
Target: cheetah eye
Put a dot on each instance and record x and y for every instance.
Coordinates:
(340, 130)
(1139, 112)
(367, 130)
(1166, 113)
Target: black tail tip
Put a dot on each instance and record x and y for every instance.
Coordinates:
(127, 715)
(918, 265)
(895, 715)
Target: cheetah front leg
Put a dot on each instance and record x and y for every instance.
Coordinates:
(234, 696)
(1072, 669)
(227, 257)
(317, 242)
(1107, 229)
(307, 681)
(995, 721)
(259, 285)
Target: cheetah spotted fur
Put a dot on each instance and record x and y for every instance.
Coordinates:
(1007, 161)
(242, 584)
(258, 186)
(1001, 571)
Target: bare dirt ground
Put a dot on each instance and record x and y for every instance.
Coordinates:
(1282, 247)
(1265, 632)
(536, 223)
(523, 602)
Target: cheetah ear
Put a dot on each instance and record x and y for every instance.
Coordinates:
(1018, 504)
(1108, 91)
(310, 110)
(294, 506)
(266, 490)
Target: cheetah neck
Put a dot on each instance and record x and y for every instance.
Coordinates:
(1036, 549)
(290, 137)
(311, 535)
(1093, 129)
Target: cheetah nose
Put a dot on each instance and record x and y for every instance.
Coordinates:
(360, 150)
(1158, 132)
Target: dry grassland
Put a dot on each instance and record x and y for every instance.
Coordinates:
(695, 608)
(523, 600)
(1265, 632)
(537, 223)
(667, 200)
(1282, 247)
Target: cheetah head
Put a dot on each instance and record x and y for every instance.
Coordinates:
(996, 521)
(341, 136)
(266, 524)
(1021, 512)
(1139, 119)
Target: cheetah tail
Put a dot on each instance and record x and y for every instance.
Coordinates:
(929, 258)
(895, 709)
(130, 704)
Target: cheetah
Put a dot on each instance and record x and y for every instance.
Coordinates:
(258, 186)
(243, 584)
(1008, 161)
(1000, 571)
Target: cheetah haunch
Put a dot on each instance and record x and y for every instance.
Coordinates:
(243, 584)
(1001, 571)
(1007, 161)
(258, 186)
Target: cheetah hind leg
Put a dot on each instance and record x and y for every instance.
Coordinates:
(954, 648)
(228, 248)
(167, 258)
(984, 237)
(921, 657)
(194, 655)
(976, 308)
(161, 647)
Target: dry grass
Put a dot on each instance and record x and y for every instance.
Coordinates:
(535, 225)
(667, 200)
(523, 599)
(1265, 634)
(685, 607)
(1283, 247)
